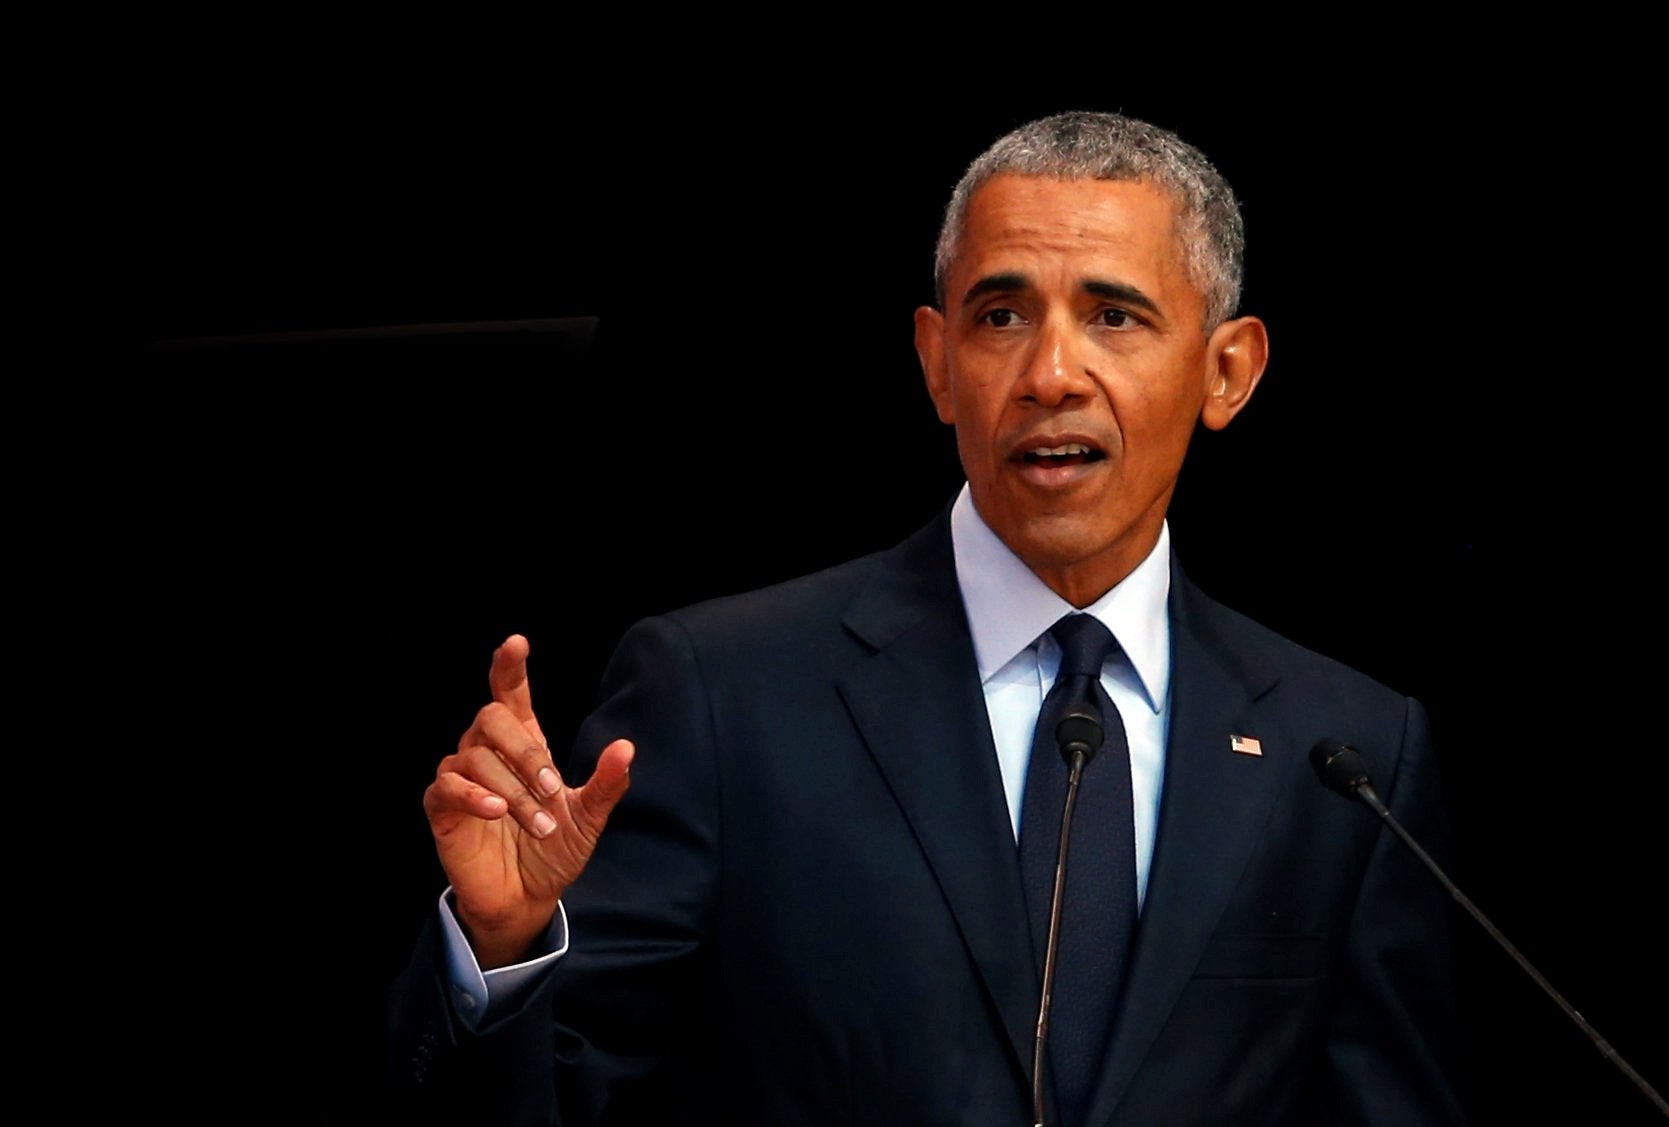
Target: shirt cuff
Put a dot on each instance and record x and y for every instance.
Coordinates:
(478, 996)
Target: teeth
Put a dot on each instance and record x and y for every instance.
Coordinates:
(1059, 451)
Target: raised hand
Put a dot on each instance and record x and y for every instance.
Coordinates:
(511, 834)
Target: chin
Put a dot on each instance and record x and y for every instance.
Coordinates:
(1059, 545)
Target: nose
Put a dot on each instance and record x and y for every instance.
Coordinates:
(1055, 372)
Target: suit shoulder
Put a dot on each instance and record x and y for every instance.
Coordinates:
(1266, 654)
(780, 607)
(1300, 697)
(871, 595)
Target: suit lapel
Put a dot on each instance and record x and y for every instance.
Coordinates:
(916, 700)
(1212, 807)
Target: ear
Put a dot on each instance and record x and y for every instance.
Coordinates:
(930, 347)
(1236, 355)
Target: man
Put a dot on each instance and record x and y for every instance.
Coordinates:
(790, 889)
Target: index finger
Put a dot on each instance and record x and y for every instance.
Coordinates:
(508, 677)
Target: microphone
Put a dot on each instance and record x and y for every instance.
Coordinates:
(1339, 767)
(1079, 735)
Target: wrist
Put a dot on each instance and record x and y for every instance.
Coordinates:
(503, 939)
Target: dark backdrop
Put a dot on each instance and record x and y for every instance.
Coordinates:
(1443, 480)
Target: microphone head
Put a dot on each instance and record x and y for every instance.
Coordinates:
(1339, 767)
(1079, 731)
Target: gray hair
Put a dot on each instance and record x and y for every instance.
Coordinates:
(1107, 146)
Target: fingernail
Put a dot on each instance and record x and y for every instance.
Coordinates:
(549, 784)
(543, 824)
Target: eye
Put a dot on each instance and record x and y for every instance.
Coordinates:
(1000, 318)
(1116, 319)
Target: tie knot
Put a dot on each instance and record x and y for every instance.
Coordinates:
(1084, 643)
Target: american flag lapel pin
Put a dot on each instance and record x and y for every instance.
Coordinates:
(1245, 745)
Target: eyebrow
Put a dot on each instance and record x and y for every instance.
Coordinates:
(1129, 295)
(996, 283)
(1112, 291)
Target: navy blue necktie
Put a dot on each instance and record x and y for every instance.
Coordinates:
(1098, 909)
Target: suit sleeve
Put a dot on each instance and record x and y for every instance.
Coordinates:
(589, 1044)
(1387, 1047)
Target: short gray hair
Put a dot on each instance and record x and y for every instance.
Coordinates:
(1109, 146)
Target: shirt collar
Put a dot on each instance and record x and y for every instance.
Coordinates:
(1009, 607)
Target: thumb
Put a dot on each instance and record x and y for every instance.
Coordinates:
(610, 780)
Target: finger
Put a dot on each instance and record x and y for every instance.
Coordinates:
(508, 677)
(451, 795)
(485, 767)
(596, 799)
(522, 752)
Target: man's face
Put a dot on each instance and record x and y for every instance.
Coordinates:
(1072, 359)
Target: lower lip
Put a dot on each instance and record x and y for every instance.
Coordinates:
(1057, 477)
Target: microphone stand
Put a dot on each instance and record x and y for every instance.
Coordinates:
(1340, 768)
(1079, 735)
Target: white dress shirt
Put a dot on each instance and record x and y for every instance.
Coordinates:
(1010, 611)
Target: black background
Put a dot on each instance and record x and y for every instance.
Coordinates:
(1445, 479)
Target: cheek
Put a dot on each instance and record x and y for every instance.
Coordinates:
(977, 409)
(1155, 435)
(974, 447)
(1166, 406)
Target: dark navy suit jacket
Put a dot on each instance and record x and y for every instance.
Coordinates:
(808, 908)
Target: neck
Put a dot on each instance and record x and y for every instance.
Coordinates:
(1082, 582)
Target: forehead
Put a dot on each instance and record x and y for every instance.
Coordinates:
(1115, 230)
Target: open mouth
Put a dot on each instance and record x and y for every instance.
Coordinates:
(1067, 454)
